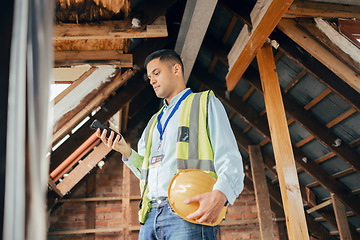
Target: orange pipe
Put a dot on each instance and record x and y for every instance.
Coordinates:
(73, 156)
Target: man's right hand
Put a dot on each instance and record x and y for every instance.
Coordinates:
(120, 146)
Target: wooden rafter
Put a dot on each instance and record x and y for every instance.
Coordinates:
(314, 67)
(74, 84)
(276, 205)
(265, 16)
(71, 58)
(71, 119)
(260, 124)
(318, 70)
(83, 168)
(334, 41)
(289, 27)
(123, 97)
(315, 127)
(105, 30)
(341, 219)
(325, 10)
(326, 212)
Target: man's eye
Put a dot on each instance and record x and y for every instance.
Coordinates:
(156, 73)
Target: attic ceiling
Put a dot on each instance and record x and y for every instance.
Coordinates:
(101, 44)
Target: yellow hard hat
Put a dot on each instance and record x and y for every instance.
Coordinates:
(187, 184)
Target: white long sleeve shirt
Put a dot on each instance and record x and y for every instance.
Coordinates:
(227, 158)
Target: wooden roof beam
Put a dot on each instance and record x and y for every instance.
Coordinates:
(260, 124)
(290, 28)
(68, 116)
(314, 67)
(98, 57)
(337, 43)
(105, 30)
(326, 212)
(315, 127)
(321, 9)
(264, 16)
(317, 69)
(125, 95)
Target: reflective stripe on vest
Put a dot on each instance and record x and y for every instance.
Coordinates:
(145, 204)
(193, 147)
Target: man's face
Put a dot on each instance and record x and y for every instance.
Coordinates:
(161, 78)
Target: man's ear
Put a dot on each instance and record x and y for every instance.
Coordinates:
(177, 68)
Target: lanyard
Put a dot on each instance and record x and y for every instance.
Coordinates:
(162, 130)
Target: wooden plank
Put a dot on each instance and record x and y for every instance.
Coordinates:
(261, 193)
(54, 188)
(126, 210)
(314, 126)
(247, 45)
(69, 58)
(156, 29)
(316, 100)
(288, 26)
(341, 219)
(318, 70)
(112, 106)
(74, 84)
(90, 206)
(294, 81)
(105, 30)
(82, 169)
(335, 42)
(248, 94)
(325, 10)
(311, 167)
(284, 157)
(72, 119)
(340, 118)
(276, 205)
(317, 207)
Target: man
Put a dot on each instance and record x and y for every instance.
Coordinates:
(158, 160)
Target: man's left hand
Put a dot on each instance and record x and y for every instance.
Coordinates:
(211, 204)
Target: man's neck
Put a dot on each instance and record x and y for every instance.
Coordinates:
(168, 100)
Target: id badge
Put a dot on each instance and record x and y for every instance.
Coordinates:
(156, 160)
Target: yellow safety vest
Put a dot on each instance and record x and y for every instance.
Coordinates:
(193, 147)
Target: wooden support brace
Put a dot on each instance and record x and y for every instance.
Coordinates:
(284, 157)
(261, 193)
(341, 219)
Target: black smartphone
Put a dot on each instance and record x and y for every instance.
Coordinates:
(97, 124)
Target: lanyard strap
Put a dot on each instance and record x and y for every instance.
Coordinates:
(162, 130)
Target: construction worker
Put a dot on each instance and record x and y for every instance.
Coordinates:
(188, 124)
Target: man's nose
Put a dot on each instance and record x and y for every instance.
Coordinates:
(152, 81)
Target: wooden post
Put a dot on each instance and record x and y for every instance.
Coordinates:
(90, 206)
(126, 209)
(261, 193)
(341, 219)
(284, 157)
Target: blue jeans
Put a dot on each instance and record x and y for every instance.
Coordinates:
(163, 223)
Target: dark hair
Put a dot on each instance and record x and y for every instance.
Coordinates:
(165, 55)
